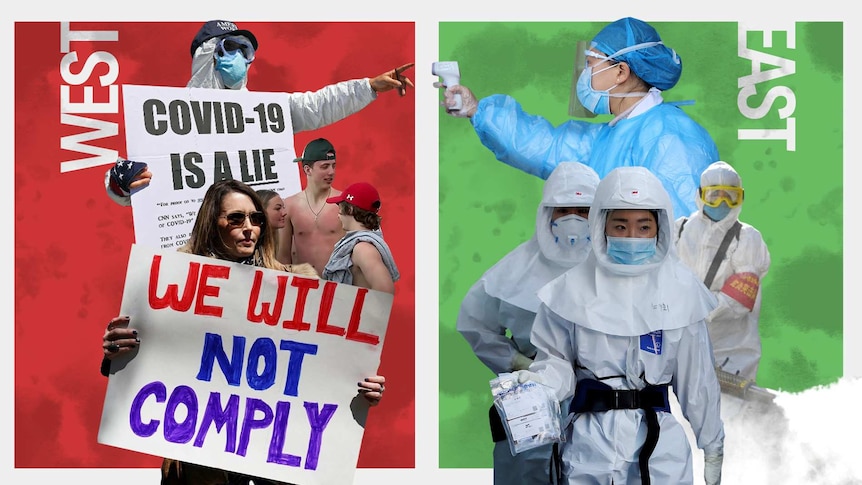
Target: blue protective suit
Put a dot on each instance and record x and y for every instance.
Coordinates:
(663, 139)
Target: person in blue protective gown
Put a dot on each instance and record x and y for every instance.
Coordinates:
(616, 332)
(627, 69)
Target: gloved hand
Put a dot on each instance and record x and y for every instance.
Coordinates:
(712, 467)
(521, 361)
(126, 175)
(525, 375)
(469, 103)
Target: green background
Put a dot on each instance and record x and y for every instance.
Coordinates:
(793, 197)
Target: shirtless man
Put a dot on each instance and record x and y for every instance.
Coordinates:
(361, 258)
(312, 227)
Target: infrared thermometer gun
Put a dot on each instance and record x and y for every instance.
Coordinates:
(451, 76)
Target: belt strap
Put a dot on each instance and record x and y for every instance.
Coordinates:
(592, 396)
(720, 252)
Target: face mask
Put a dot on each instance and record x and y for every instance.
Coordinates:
(233, 68)
(631, 250)
(596, 101)
(571, 230)
(717, 213)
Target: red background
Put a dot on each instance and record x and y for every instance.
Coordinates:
(72, 242)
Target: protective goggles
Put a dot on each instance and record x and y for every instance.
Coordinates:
(713, 195)
(229, 44)
(237, 219)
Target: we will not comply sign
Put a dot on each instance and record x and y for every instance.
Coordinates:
(244, 368)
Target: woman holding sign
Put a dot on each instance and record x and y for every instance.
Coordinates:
(231, 225)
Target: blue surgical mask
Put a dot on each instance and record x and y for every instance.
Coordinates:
(571, 231)
(233, 68)
(596, 101)
(631, 250)
(717, 213)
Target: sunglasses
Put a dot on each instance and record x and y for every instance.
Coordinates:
(237, 219)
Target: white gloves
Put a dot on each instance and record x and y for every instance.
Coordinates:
(521, 361)
(712, 467)
(525, 375)
(469, 103)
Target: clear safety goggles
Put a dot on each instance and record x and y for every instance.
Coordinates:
(229, 44)
(713, 195)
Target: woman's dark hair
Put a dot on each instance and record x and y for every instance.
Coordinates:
(206, 239)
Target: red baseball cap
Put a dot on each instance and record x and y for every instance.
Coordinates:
(360, 194)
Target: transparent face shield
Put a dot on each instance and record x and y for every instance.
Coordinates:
(576, 109)
(582, 51)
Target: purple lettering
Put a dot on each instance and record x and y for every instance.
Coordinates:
(276, 444)
(318, 422)
(249, 422)
(177, 432)
(214, 413)
(140, 428)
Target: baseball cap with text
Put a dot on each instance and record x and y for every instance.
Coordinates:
(360, 194)
(218, 28)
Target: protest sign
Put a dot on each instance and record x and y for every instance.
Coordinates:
(244, 368)
(192, 137)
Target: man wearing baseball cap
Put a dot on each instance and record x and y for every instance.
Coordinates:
(361, 257)
(312, 227)
(222, 55)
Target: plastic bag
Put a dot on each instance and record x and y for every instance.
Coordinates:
(530, 412)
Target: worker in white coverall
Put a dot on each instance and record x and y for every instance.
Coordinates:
(222, 55)
(504, 298)
(615, 331)
(732, 270)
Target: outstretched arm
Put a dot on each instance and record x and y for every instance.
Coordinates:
(315, 109)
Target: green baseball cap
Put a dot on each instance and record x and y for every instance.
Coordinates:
(319, 149)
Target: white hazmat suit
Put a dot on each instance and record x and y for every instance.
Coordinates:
(504, 298)
(733, 325)
(621, 334)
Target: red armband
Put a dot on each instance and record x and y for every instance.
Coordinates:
(742, 287)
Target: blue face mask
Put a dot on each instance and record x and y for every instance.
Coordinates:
(596, 101)
(717, 213)
(233, 68)
(631, 250)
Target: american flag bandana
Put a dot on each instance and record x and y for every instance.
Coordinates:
(122, 174)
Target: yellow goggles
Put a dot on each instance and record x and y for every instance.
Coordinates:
(713, 195)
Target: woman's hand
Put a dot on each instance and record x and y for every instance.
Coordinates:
(372, 389)
(118, 338)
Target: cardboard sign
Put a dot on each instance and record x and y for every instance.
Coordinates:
(192, 137)
(244, 368)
